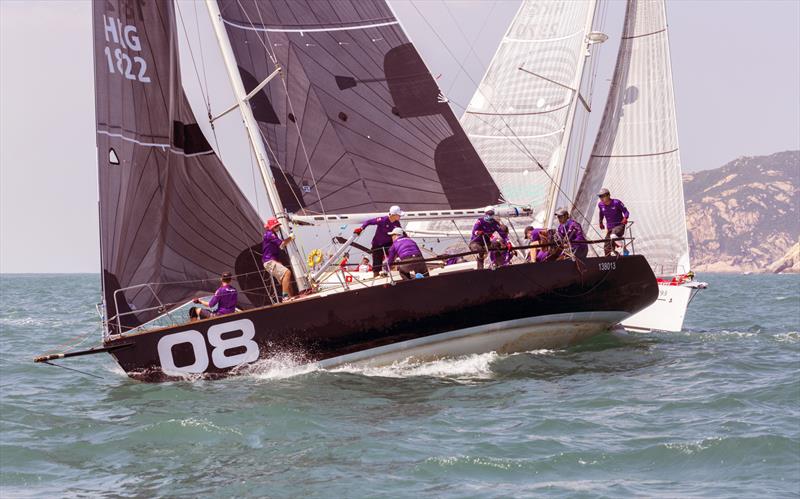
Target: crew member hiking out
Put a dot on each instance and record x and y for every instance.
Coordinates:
(402, 250)
(225, 299)
(482, 232)
(381, 241)
(572, 232)
(271, 248)
(616, 216)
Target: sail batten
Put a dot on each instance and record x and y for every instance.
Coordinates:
(636, 153)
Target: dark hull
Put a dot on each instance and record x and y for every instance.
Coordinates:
(551, 304)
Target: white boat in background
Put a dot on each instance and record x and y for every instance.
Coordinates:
(636, 156)
(668, 311)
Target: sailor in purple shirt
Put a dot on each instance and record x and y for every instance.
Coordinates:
(381, 241)
(225, 298)
(616, 215)
(271, 247)
(403, 249)
(572, 231)
(482, 232)
(531, 238)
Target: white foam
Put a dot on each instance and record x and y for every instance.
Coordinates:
(790, 337)
(281, 365)
(469, 366)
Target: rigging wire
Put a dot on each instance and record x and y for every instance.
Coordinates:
(471, 43)
(203, 91)
(267, 47)
(71, 369)
(274, 59)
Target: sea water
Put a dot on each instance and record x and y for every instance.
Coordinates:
(710, 411)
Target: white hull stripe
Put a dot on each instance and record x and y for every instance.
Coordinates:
(309, 30)
(602, 319)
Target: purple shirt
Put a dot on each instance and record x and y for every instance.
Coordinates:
(488, 228)
(613, 213)
(383, 226)
(542, 255)
(271, 247)
(403, 247)
(573, 231)
(226, 297)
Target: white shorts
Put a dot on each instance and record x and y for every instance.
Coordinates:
(275, 269)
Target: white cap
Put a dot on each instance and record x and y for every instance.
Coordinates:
(397, 231)
(395, 210)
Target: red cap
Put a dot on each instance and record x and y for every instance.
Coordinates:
(271, 223)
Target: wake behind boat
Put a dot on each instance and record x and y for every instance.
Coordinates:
(343, 118)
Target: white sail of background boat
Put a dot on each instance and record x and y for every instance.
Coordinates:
(636, 156)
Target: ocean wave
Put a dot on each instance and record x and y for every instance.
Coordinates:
(193, 423)
(790, 337)
(477, 461)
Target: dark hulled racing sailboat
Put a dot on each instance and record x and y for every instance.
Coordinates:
(343, 119)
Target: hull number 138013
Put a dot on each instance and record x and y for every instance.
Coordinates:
(607, 265)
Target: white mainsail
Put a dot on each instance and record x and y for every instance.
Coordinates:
(636, 153)
(524, 106)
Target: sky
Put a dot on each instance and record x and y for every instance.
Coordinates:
(736, 66)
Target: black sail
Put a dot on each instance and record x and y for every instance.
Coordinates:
(171, 217)
(374, 128)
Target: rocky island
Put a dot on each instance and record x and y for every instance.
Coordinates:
(744, 216)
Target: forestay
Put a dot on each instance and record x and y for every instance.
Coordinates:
(169, 212)
(356, 123)
(636, 151)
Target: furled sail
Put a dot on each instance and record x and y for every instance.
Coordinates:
(171, 218)
(636, 154)
(521, 112)
(356, 123)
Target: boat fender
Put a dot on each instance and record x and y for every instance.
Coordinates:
(314, 258)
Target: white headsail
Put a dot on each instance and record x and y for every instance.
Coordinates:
(524, 106)
(636, 153)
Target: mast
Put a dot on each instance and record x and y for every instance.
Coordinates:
(553, 191)
(253, 134)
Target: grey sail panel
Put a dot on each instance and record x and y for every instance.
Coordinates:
(170, 214)
(636, 153)
(357, 123)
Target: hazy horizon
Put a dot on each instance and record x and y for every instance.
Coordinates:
(736, 68)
